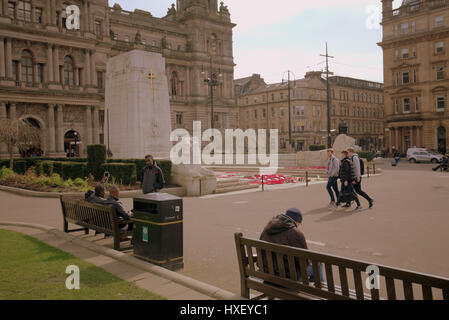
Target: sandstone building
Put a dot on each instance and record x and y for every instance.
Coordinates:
(357, 103)
(415, 38)
(55, 77)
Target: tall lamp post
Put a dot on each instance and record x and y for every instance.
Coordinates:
(212, 81)
(289, 104)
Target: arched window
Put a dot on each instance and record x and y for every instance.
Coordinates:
(68, 71)
(27, 66)
(174, 84)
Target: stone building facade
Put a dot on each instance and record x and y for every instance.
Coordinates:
(415, 42)
(55, 77)
(358, 103)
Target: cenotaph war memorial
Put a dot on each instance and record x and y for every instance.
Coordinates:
(137, 106)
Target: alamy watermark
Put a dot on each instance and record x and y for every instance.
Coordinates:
(188, 148)
(374, 18)
(73, 17)
(73, 280)
(373, 280)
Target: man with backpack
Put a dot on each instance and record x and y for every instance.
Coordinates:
(347, 177)
(359, 167)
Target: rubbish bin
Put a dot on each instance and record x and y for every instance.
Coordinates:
(158, 230)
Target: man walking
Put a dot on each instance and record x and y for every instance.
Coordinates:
(347, 177)
(152, 176)
(358, 176)
(333, 167)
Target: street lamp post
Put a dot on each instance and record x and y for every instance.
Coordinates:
(212, 81)
(289, 104)
(76, 144)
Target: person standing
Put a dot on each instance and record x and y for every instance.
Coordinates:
(333, 167)
(152, 176)
(347, 177)
(358, 176)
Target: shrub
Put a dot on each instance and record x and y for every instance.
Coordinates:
(315, 147)
(368, 155)
(20, 166)
(96, 157)
(5, 171)
(73, 170)
(124, 173)
(56, 180)
(47, 168)
(79, 182)
(165, 165)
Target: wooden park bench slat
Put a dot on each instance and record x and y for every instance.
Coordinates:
(102, 219)
(277, 285)
(358, 285)
(408, 290)
(391, 289)
(427, 293)
(249, 250)
(330, 277)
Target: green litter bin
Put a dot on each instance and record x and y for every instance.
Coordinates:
(158, 230)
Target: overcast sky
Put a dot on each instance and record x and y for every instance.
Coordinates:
(274, 36)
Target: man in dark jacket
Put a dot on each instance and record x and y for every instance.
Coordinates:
(152, 176)
(283, 229)
(444, 163)
(347, 176)
(114, 201)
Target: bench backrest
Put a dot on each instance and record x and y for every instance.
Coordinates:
(275, 264)
(97, 217)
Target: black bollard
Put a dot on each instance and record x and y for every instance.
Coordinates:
(307, 178)
(263, 186)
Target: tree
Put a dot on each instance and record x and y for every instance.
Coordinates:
(19, 134)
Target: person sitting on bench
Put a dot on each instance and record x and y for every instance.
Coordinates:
(97, 197)
(283, 229)
(114, 201)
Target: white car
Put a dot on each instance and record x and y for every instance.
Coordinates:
(423, 156)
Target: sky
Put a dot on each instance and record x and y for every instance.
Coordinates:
(272, 37)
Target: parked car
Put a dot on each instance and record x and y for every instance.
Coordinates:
(423, 156)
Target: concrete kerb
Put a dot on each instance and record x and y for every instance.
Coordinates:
(193, 284)
(38, 194)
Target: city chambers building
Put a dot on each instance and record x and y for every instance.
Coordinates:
(54, 76)
(415, 42)
(355, 103)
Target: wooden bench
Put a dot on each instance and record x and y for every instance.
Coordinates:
(270, 269)
(102, 219)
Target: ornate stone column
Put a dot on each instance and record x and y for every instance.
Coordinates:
(96, 129)
(49, 68)
(2, 58)
(87, 71)
(88, 125)
(3, 115)
(93, 71)
(8, 57)
(48, 12)
(85, 17)
(53, 12)
(56, 64)
(76, 77)
(60, 129)
(51, 128)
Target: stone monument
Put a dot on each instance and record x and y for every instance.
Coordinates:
(137, 106)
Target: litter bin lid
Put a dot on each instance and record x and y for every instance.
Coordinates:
(157, 197)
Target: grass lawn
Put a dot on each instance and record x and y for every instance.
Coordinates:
(33, 270)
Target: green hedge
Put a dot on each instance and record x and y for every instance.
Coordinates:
(122, 173)
(66, 170)
(96, 157)
(315, 147)
(368, 155)
(165, 165)
(20, 167)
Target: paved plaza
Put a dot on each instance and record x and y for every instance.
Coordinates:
(407, 228)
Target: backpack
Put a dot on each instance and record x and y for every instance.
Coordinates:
(362, 165)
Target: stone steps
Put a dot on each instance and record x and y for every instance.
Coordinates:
(233, 184)
(285, 171)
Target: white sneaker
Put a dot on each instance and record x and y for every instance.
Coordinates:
(358, 209)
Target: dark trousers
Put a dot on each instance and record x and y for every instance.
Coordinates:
(332, 184)
(358, 190)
